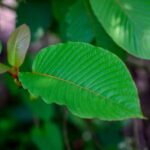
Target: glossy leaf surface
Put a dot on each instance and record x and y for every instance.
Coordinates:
(127, 22)
(90, 81)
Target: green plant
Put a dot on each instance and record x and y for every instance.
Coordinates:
(86, 72)
(90, 81)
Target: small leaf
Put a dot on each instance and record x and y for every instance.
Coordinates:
(78, 25)
(60, 9)
(0, 47)
(17, 45)
(48, 137)
(3, 68)
(90, 81)
(46, 111)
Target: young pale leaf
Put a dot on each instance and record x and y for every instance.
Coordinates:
(90, 81)
(17, 45)
(0, 47)
(3, 68)
(127, 22)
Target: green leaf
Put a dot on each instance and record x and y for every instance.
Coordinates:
(46, 111)
(0, 47)
(90, 81)
(78, 24)
(17, 45)
(102, 38)
(127, 22)
(3, 68)
(60, 8)
(48, 137)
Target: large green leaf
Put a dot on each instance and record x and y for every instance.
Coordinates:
(78, 24)
(127, 22)
(17, 45)
(90, 81)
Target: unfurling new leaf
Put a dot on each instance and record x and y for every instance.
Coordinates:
(17, 45)
(90, 81)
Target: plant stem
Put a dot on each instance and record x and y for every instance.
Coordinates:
(65, 131)
(95, 139)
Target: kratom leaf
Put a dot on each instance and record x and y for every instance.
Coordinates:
(17, 45)
(90, 81)
(78, 24)
(127, 22)
(3, 68)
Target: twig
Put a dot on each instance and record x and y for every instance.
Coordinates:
(138, 135)
(65, 131)
(95, 139)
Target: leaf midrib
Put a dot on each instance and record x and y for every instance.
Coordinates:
(77, 85)
(72, 83)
